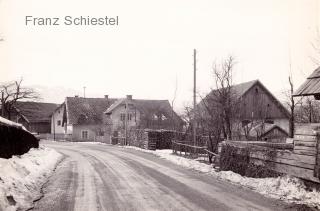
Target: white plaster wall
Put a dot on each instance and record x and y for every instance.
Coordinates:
(57, 115)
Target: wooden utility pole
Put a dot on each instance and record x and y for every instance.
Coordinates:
(126, 124)
(2, 104)
(194, 96)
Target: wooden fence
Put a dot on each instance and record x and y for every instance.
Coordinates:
(188, 150)
(300, 160)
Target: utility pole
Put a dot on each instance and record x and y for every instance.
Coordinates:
(126, 123)
(2, 104)
(194, 96)
(84, 92)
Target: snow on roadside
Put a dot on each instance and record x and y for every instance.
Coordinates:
(286, 188)
(21, 177)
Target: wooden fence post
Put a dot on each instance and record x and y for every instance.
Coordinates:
(317, 165)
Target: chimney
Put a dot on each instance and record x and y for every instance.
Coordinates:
(129, 97)
(106, 97)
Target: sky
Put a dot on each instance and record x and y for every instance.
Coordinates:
(150, 53)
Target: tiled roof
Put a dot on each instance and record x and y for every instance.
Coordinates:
(36, 111)
(90, 110)
(86, 110)
(311, 86)
(149, 107)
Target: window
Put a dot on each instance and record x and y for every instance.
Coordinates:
(59, 122)
(129, 117)
(84, 134)
(122, 117)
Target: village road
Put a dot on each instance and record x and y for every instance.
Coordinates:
(102, 177)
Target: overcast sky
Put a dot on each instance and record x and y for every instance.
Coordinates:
(153, 44)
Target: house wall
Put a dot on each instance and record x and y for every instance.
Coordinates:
(118, 124)
(93, 133)
(57, 116)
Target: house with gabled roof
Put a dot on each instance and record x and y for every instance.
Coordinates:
(255, 104)
(97, 119)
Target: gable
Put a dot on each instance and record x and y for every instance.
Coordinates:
(250, 105)
(259, 103)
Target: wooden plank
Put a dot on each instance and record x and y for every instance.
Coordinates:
(307, 159)
(312, 138)
(303, 173)
(283, 161)
(305, 143)
(304, 152)
(305, 148)
(305, 131)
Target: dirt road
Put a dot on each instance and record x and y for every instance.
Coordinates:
(101, 177)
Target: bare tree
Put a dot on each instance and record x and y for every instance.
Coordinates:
(223, 95)
(12, 92)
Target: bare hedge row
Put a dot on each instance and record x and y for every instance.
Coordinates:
(15, 141)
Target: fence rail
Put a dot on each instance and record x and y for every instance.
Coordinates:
(192, 151)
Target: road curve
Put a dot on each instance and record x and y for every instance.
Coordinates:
(101, 177)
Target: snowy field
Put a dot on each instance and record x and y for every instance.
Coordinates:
(286, 188)
(21, 177)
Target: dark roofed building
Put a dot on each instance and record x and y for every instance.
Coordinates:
(35, 116)
(96, 119)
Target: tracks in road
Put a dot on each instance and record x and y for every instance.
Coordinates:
(98, 177)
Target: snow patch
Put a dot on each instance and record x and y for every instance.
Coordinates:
(11, 123)
(21, 177)
(286, 188)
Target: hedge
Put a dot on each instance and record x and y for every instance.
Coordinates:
(15, 141)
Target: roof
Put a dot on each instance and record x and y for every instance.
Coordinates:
(36, 111)
(86, 110)
(264, 129)
(239, 90)
(89, 110)
(311, 86)
(148, 107)
(115, 105)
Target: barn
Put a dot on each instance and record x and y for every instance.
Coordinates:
(256, 105)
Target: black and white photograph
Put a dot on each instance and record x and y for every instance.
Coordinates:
(167, 105)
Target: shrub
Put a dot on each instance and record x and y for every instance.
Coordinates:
(237, 159)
